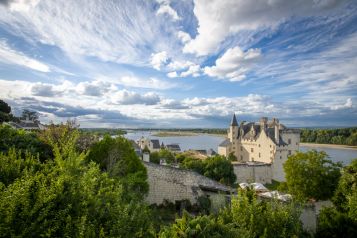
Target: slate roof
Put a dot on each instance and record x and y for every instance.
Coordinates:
(173, 147)
(225, 143)
(234, 121)
(155, 144)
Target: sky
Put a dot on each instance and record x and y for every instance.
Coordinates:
(181, 64)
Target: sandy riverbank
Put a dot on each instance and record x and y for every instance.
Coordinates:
(329, 146)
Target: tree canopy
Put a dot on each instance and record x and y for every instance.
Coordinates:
(5, 111)
(311, 175)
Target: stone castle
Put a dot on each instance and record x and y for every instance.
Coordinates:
(268, 142)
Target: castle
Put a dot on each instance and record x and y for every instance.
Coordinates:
(266, 142)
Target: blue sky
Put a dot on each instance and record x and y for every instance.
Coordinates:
(180, 63)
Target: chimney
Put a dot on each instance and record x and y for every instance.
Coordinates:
(276, 126)
(263, 123)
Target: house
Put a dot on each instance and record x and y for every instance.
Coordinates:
(27, 124)
(137, 148)
(152, 144)
(268, 142)
(173, 147)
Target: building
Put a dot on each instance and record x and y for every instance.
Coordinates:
(268, 142)
(152, 145)
(173, 147)
(26, 124)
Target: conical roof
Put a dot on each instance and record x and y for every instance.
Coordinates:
(234, 120)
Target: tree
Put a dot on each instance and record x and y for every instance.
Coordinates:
(30, 115)
(311, 175)
(232, 157)
(193, 164)
(117, 157)
(219, 169)
(5, 111)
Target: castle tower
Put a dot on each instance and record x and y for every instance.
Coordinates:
(233, 129)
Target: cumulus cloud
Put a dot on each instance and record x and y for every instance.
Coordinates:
(95, 88)
(166, 9)
(44, 90)
(233, 64)
(183, 36)
(11, 56)
(218, 19)
(172, 74)
(151, 83)
(131, 98)
(193, 70)
(179, 65)
(159, 59)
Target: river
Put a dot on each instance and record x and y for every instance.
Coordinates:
(206, 141)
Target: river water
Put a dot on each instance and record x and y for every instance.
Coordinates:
(206, 141)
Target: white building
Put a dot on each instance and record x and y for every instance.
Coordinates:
(267, 142)
(152, 145)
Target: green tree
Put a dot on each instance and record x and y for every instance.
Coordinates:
(232, 157)
(5, 111)
(311, 175)
(117, 157)
(194, 164)
(28, 114)
(219, 169)
(23, 142)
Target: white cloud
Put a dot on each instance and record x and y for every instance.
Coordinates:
(348, 104)
(159, 59)
(179, 65)
(172, 74)
(218, 19)
(233, 64)
(193, 70)
(100, 29)
(183, 36)
(22, 5)
(131, 98)
(151, 83)
(10, 56)
(165, 8)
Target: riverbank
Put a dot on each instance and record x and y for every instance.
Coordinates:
(347, 147)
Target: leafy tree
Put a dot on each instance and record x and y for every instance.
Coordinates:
(5, 111)
(117, 157)
(23, 141)
(28, 114)
(162, 154)
(311, 175)
(232, 157)
(193, 164)
(200, 226)
(219, 169)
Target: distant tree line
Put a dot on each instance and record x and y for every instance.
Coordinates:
(341, 136)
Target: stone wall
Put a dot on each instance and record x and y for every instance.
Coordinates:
(253, 172)
(173, 184)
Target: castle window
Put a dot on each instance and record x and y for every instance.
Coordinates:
(241, 148)
(251, 150)
(241, 157)
(281, 157)
(270, 146)
(289, 141)
(259, 145)
(289, 153)
(259, 155)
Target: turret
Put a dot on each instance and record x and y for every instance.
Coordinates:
(263, 123)
(233, 129)
(276, 130)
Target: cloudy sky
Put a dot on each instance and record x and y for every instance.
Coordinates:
(188, 63)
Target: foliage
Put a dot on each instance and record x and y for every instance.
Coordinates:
(219, 169)
(311, 175)
(103, 131)
(117, 157)
(341, 136)
(247, 217)
(335, 224)
(162, 154)
(28, 114)
(216, 167)
(67, 197)
(200, 226)
(341, 220)
(232, 157)
(23, 141)
(5, 111)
